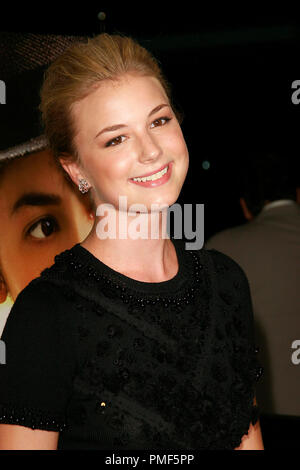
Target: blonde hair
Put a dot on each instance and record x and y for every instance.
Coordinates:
(81, 69)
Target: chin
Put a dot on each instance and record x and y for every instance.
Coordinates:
(165, 202)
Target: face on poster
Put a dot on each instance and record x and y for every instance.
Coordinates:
(42, 214)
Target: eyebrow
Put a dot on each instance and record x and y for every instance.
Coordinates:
(35, 199)
(119, 126)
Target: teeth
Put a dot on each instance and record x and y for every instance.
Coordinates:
(154, 177)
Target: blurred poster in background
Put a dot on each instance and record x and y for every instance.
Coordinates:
(42, 211)
(4, 312)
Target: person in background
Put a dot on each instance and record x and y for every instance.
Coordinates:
(42, 212)
(267, 247)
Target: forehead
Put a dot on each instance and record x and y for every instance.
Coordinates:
(33, 173)
(120, 98)
(23, 168)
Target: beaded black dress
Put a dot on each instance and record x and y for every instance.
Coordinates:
(115, 363)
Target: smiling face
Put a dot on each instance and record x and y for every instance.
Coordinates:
(127, 129)
(41, 215)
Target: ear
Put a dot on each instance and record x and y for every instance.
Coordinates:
(3, 290)
(73, 169)
(247, 213)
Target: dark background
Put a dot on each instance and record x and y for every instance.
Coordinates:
(231, 73)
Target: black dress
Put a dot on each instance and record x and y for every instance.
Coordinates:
(114, 363)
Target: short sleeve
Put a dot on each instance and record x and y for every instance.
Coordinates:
(233, 299)
(36, 379)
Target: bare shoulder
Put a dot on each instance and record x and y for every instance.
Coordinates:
(14, 437)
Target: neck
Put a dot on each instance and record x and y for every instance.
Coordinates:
(149, 259)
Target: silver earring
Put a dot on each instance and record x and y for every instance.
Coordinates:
(83, 185)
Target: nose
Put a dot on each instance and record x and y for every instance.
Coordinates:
(149, 149)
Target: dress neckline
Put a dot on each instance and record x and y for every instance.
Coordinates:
(183, 274)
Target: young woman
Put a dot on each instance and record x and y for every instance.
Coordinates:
(127, 341)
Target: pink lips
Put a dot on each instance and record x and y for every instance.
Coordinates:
(158, 182)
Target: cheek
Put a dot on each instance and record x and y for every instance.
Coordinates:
(183, 152)
(176, 144)
(15, 272)
(113, 168)
(179, 151)
(181, 160)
